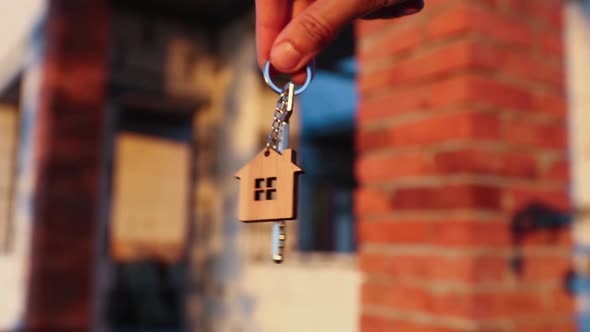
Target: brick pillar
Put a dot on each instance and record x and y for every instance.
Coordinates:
(461, 138)
(67, 140)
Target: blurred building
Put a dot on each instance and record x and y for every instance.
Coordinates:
(446, 161)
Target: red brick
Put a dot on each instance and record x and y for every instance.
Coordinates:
(539, 135)
(436, 267)
(468, 17)
(375, 324)
(498, 94)
(452, 22)
(384, 167)
(534, 69)
(460, 55)
(549, 13)
(471, 269)
(560, 238)
(467, 196)
(485, 91)
(396, 41)
(374, 82)
(399, 101)
(410, 326)
(445, 60)
(436, 129)
(471, 233)
(479, 97)
(493, 304)
(395, 296)
(507, 304)
(381, 167)
(559, 170)
(551, 104)
(68, 108)
(482, 161)
(552, 45)
(566, 325)
(378, 324)
(522, 198)
(371, 201)
(562, 301)
(369, 140)
(396, 266)
(545, 268)
(452, 303)
(406, 232)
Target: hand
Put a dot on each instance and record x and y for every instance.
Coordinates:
(292, 32)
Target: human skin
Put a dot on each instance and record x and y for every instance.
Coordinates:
(292, 32)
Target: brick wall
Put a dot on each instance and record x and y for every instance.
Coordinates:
(67, 137)
(461, 132)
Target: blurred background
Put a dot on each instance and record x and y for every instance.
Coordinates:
(446, 158)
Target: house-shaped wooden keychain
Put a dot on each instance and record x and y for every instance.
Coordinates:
(268, 187)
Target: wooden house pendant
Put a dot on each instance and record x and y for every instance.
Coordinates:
(268, 187)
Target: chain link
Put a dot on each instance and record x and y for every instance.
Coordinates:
(281, 115)
(278, 139)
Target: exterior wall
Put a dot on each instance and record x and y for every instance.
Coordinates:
(20, 16)
(15, 49)
(8, 146)
(66, 106)
(241, 281)
(305, 293)
(578, 64)
(578, 47)
(226, 258)
(10, 261)
(462, 136)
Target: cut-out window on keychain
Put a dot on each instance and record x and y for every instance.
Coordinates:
(265, 189)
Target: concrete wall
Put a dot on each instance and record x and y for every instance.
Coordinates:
(578, 60)
(10, 261)
(8, 135)
(305, 294)
(578, 63)
(13, 263)
(228, 288)
(18, 18)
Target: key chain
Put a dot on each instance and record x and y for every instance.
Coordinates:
(268, 183)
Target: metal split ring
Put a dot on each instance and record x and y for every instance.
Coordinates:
(275, 88)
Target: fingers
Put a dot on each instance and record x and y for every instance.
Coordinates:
(316, 26)
(298, 7)
(271, 17)
(310, 31)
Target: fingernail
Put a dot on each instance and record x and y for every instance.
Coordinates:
(284, 57)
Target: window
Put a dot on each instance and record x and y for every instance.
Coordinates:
(150, 214)
(326, 150)
(265, 189)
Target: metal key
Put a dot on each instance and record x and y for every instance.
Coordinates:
(278, 140)
(279, 232)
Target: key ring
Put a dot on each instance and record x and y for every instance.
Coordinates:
(275, 88)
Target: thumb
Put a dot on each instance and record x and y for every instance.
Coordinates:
(316, 26)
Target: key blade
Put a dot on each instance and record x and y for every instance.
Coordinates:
(278, 241)
(283, 137)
